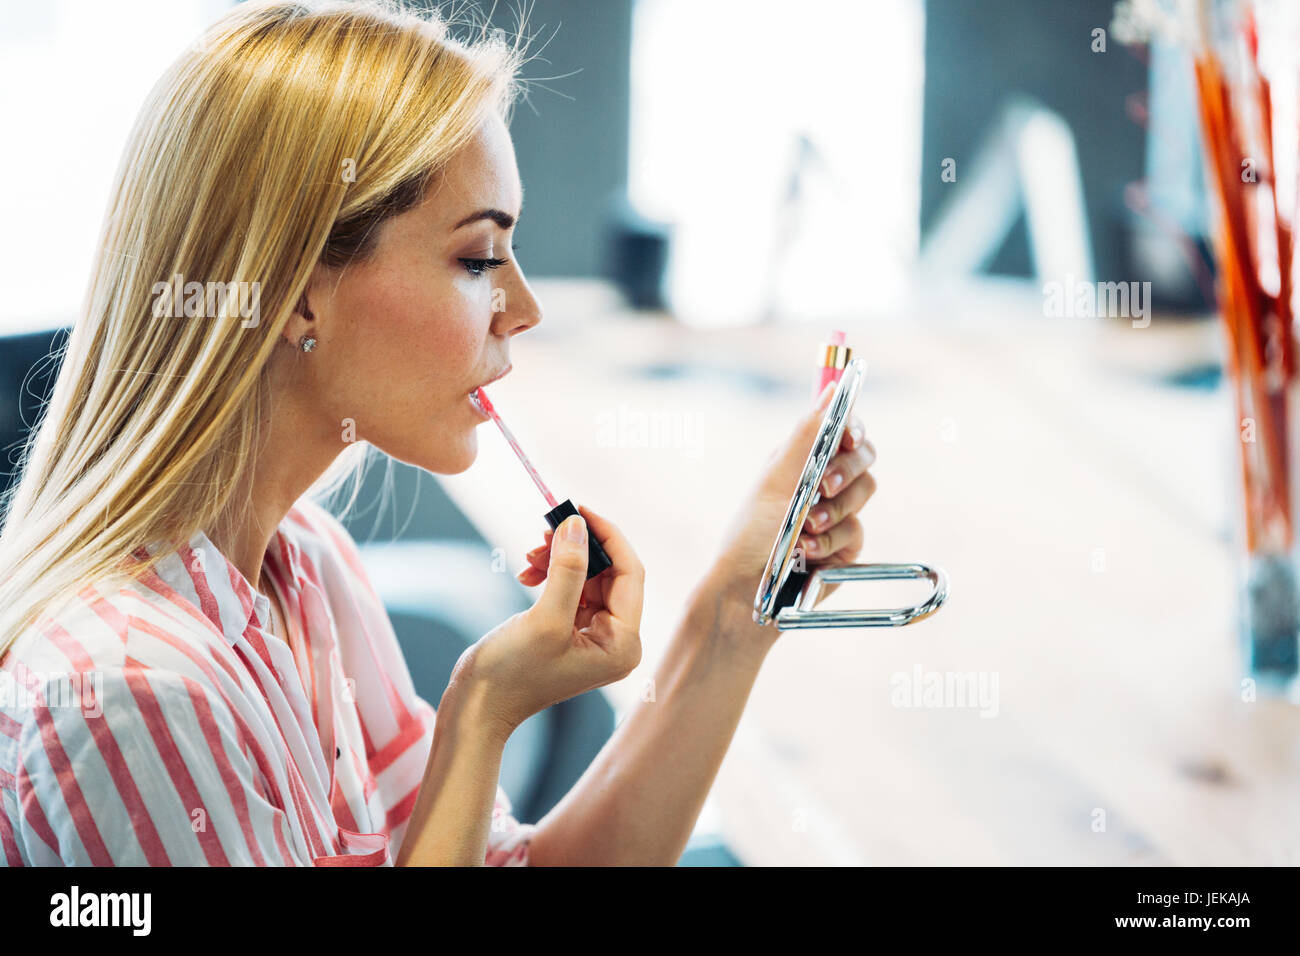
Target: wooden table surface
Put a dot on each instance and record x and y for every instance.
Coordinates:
(1081, 508)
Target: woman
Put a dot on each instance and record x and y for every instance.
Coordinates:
(198, 669)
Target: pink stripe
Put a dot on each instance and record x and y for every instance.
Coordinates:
(222, 653)
(111, 616)
(71, 790)
(375, 843)
(375, 858)
(280, 843)
(69, 647)
(234, 787)
(297, 789)
(405, 738)
(402, 810)
(146, 833)
(207, 600)
(265, 766)
(154, 582)
(300, 619)
(399, 709)
(365, 735)
(363, 773)
(401, 714)
(242, 591)
(347, 550)
(12, 856)
(339, 804)
(159, 730)
(32, 812)
(9, 727)
(26, 678)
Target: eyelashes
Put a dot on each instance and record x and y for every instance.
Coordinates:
(480, 267)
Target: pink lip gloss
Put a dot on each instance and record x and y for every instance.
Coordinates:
(597, 559)
(835, 357)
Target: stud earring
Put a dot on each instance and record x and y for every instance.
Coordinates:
(307, 343)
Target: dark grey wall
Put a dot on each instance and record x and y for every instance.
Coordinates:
(978, 52)
(571, 144)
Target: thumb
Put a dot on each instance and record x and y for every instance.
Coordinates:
(567, 572)
(801, 440)
(823, 400)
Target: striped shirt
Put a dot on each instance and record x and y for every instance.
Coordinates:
(160, 722)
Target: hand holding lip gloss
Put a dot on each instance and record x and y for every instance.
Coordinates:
(597, 559)
(835, 356)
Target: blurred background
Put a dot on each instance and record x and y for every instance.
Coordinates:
(1002, 206)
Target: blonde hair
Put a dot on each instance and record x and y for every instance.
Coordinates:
(282, 138)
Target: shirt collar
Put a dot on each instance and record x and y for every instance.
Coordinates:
(203, 575)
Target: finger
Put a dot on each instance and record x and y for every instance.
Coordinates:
(819, 547)
(845, 467)
(854, 432)
(829, 511)
(541, 547)
(567, 571)
(791, 455)
(531, 577)
(627, 587)
(592, 592)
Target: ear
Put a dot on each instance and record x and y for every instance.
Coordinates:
(303, 321)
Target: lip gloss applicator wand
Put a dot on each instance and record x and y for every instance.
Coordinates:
(597, 559)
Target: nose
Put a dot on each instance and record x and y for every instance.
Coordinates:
(521, 309)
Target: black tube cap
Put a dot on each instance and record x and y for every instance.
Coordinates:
(790, 592)
(597, 559)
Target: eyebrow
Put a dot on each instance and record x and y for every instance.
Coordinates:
(502, 219)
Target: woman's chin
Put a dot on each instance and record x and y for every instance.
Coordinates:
(442, 451)
(455, 456)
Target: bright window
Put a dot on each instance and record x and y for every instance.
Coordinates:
(73, 76)
(723, 95)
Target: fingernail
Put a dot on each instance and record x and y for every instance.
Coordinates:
(575, 529)
(810, 546)
(818, 517)
(855, 432)
(833, 482)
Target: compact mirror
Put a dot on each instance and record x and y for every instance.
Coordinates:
(787, 592)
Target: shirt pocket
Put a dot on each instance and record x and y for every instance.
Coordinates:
(360, 849)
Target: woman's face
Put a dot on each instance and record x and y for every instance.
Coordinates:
(404, 336)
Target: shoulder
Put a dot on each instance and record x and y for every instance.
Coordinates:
(115, 623)
(132, 650)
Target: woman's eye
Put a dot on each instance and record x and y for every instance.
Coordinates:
(478, 267)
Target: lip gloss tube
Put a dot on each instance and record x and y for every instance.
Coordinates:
(597, 559)
(835, 357)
